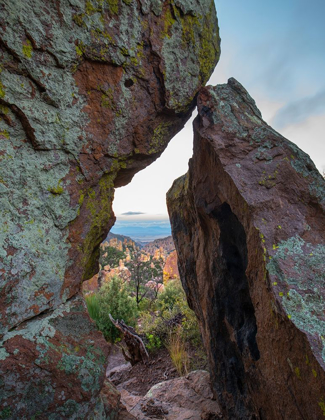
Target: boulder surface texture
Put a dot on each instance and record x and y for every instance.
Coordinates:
(90, 93)
(248, 221)
(185, 398)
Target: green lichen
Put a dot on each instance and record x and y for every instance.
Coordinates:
(302, 164)
(299, 270)
(90, 9)
(3, 109)
(113, 6)
(209, 52)
(268, 180)
(317, 189)
(321, 404)
(79, 20)
(2, 90)
(5, 134)
(297, 372)
(106, 102)
(178, 189)
(160, 135)
(169, 21)
(195, 37)
(27, 49)
(58, 190)
(84, 362)
(79, 50)
(3, 354)
(98, 202)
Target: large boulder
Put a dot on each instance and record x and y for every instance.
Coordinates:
(248, 221)
(184, 398)
(90, 93)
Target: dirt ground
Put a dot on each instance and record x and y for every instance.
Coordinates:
(141, 377)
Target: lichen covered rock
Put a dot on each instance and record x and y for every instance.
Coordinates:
(248, 221)
(90, 93)
(53, 363)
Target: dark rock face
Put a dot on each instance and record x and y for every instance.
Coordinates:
(90, 93)
(248, 222)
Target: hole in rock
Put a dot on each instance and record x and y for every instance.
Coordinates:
(128, 83)
(139, 282)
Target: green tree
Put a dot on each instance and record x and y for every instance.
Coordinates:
(112, 298)
(142, 273)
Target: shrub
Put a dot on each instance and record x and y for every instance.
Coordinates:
(153, 342)
(93, 306)
(112, 298)
(159, 326)
(145, 305)
(173, 295)
(173, 301)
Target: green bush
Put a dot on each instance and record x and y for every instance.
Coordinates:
(173, 295)
(145, 305)
(112, 298)
(153, 342)
(171, 302)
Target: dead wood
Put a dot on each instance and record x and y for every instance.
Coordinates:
(136, 349)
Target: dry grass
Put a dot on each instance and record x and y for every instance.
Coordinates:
(177, 350)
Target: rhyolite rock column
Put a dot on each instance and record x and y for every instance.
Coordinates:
(248, 221)
(90, 93)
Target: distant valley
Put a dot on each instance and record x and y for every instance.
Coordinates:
(143, 231)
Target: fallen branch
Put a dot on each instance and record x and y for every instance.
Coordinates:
(136, 348)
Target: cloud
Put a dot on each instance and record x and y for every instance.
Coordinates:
(132, 213)
(298, 111)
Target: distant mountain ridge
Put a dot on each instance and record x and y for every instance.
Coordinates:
(166, 243)
(122, 238)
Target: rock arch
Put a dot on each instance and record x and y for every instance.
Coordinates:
(90, 93)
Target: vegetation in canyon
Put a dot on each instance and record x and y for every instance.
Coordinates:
(133, 286)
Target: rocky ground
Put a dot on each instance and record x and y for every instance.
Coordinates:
(155, 391)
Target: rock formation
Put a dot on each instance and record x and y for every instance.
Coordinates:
(170, 268)
(90, 93)
(248, 221)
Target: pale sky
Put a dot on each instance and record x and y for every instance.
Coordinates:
(277, 51)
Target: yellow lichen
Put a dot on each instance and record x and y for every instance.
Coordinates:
(297, 372)
(2, 91)
(27, 49)
(90, 9)
(113, 6)
(58, 190)
(4, 134)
